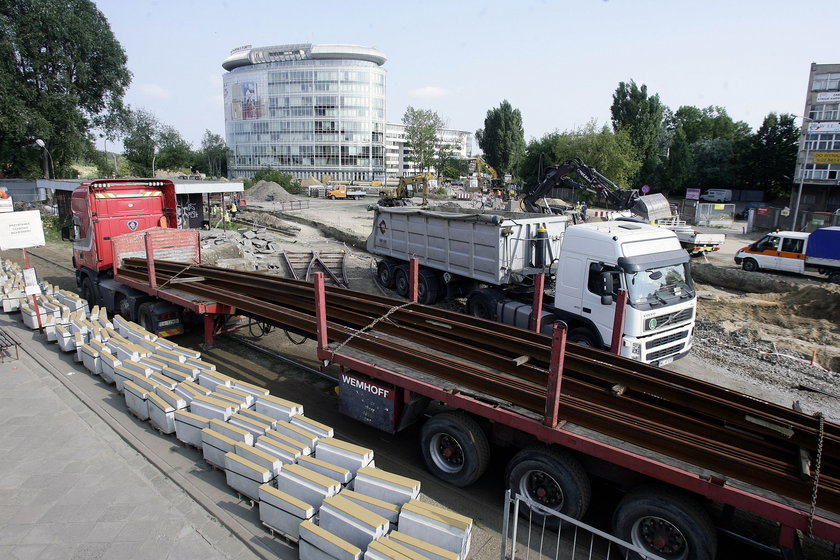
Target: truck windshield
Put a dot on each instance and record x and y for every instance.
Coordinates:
(658, 286)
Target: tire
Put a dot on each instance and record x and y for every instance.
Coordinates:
(583, 336)
(428, 286)
(749, 265)
(87, 292)
(401, 280)
(385, 271)
(332, 197)
(123, 307)
(552, 478)
(834, 277)
(666, 522)
(455, 448)
(144, 317)
(484, 304)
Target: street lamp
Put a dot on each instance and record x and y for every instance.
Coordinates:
(41, 144)
(154, 155)
(802, 171)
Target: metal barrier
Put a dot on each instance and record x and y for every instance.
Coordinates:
(557, 536)
(714, 214)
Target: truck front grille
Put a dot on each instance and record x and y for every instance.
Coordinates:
(671, 338)
(653, 356)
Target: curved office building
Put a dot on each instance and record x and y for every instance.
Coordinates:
(307, 110)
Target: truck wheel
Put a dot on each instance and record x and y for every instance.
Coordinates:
(455, 448)
(332, 197)
(551, 478)
(834, 277)
(667, 523)
(385, 271)
(484, 304)
(582, 336)
(87, 292)
(401, 282)
(749, 265)
(428, 286)
(123, 307)
(144, 317)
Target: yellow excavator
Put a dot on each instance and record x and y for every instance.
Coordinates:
(408, 187)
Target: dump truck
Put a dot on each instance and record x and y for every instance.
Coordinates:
(492, 259)
(795, 251)
(345, 192)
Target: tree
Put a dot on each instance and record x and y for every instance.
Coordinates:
(421, 127)
(173, 151)
(214, 153)
(770, 156)
(641, 116)
(140, 141)
(62, 73)
(714, 161)
(612, 154)
(502, 139)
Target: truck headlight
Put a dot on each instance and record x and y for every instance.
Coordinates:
(636, 350)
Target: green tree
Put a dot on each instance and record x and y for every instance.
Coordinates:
(770, 156)
(709, 124)
(502, 139)
(140, 141)
(62, 74)
(213, 155)
(678, 172)
(173, 152)
(641, 117)
(714, 162)
(612, 154)
(421, 127)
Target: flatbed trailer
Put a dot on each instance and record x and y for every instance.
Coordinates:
(665, 509)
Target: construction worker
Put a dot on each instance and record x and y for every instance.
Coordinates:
(583, 210)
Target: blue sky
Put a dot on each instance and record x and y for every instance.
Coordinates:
(558, 62)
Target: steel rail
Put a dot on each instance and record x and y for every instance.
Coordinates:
(732, 409)
(778, 475)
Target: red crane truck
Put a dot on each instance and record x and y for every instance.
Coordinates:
(118, 218)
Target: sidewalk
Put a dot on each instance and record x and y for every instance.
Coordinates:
(82, 478)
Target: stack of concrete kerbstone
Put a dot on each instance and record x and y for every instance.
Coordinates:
(312, 487)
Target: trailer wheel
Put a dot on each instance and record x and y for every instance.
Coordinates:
(401, 283)
(484, 303)
(749, 265)
(428, 286)
(123, 307)
(551, 478)
(834, 277)
(455, 448)
(667, 523)
(385, 271)
(87, 291)
(144, 316)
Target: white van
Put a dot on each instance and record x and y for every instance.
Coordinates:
(717, 195)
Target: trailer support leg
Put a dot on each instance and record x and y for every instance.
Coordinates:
(320, 311)
(789, 544)
(413, 273)
(536, 310)
(618, 322)
(150, 262)
(555, 375)
(209, 329)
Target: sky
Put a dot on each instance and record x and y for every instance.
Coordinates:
(559, 62)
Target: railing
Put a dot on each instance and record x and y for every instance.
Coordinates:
(555, 536)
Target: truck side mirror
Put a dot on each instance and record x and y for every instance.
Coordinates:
(607, 292)
(65, 234)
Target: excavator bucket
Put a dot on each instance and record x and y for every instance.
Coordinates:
(652, 207)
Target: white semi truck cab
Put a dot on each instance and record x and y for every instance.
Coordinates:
(492, 258)
(598, 259)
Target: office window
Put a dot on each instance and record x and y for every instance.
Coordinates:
(826, 81)
(824, 112)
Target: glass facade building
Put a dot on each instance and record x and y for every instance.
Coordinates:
(307, 110)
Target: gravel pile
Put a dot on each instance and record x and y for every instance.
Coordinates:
(265, 191)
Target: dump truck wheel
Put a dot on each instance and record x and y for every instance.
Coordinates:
(401, 283)
(428, 286)
(455, 448)
(385, 271)
(484, 304)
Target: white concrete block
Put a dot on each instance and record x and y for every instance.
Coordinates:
(233, 432)
(259, 456)
(256, 427)
(428, 550)
(135, 400)
(215, 445)
(339, 474)
(351, 522)
(211, 408)
(297, 433)
(390, 487)
(245, 476)
(161, 413)
(283, 513)
(317, 428)
(306, 485)
(317, 543)
(278, 408)
(301, 448)
(391, 512)
(211, 379)
(343, 454)
(188, 427)
(286, 453)
(436, 525)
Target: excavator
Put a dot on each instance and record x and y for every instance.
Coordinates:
(404, 191)
(650, 207)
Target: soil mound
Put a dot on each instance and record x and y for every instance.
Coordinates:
(265, 191)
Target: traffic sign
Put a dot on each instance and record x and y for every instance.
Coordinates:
(645, 189)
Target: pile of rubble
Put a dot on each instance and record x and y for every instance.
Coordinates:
(241, 249)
